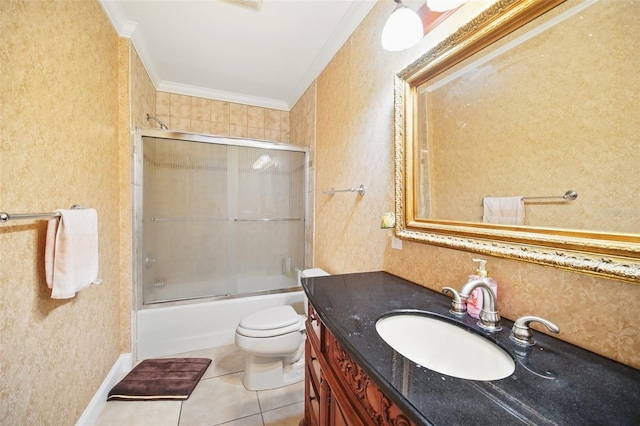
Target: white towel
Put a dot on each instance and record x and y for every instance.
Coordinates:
(71, 252)
(503, 210)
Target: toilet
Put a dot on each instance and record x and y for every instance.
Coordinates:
(273, 340)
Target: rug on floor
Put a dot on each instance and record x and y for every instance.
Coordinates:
(163, 378)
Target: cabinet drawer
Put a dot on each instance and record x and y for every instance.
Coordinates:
(313, 362)
(315, 323)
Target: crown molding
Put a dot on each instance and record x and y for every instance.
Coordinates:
(347, 25)
(221, 95)
(129, 29)
(124, 27)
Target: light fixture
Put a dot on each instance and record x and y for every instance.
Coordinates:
(263, 163)
(402, 30)
(443, 5)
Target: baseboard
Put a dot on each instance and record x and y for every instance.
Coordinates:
(122, 366)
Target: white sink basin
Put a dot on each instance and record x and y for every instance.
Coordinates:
(445, 347)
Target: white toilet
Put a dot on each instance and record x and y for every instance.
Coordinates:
(273, 339)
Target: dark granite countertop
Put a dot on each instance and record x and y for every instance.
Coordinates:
(554, 382)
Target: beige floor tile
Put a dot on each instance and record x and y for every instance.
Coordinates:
(224, 360)
(284, 416)
(218, 400)
(276, 398)
(255, 420)
(140, 413)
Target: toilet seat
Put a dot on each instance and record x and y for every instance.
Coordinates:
(271, 322)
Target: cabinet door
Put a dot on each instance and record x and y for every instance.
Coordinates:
(338, 416)
(312, 403)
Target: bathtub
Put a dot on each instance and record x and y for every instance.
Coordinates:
(198, 325)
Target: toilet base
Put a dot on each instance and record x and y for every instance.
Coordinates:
(263, 373)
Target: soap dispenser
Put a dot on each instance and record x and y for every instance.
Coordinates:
(475, 299)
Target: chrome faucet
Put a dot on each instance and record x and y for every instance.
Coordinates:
(521, 332)
(489, 316)
(458, 306)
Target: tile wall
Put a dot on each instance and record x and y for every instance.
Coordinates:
(207, 116)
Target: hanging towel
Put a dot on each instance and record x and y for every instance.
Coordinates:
(503, 210)
(71, 252)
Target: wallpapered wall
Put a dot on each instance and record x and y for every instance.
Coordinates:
(556, 123)
(59, 128)
(355, 146)
(64, 90)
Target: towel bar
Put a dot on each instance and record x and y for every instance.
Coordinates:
(5, 217)
(570, 195)
(332, 191)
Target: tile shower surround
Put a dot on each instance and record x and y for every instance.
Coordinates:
(199, 115)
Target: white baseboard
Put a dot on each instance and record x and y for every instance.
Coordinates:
(122, 366)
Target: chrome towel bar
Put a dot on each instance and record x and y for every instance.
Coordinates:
(332, 191)
(5, 217)
(570, 195)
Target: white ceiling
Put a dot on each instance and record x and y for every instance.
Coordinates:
(226, 50)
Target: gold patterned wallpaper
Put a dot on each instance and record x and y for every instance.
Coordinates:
(555, 123)
(355, 146)
(59, 146)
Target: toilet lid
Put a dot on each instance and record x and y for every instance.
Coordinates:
(271, 318)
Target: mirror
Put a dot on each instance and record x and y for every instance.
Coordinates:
(513, 104)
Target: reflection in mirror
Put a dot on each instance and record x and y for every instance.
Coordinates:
(530, 99)
(532, 116)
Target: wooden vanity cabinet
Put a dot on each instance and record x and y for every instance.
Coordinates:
(337, 391)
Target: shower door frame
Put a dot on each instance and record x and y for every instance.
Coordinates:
(137, 179)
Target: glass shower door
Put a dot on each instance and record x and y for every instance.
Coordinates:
(220, 219)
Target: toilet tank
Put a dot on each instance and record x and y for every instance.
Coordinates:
(308, 273)
(315, 272)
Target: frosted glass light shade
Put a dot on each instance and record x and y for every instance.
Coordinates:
(442, 5)
(402, 30)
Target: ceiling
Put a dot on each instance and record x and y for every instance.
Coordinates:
(237, 50)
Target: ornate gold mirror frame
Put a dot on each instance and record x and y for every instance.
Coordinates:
(600, 253)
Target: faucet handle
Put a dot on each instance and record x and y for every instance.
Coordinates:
(521, 332)
(458, 306)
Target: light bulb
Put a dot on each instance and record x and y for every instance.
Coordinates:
(402, 30)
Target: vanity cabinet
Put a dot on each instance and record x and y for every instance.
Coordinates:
(337, 391)
(554, 382)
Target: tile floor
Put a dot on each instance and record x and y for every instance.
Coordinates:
(219, 398)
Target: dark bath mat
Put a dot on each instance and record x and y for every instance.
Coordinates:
(164, 378)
